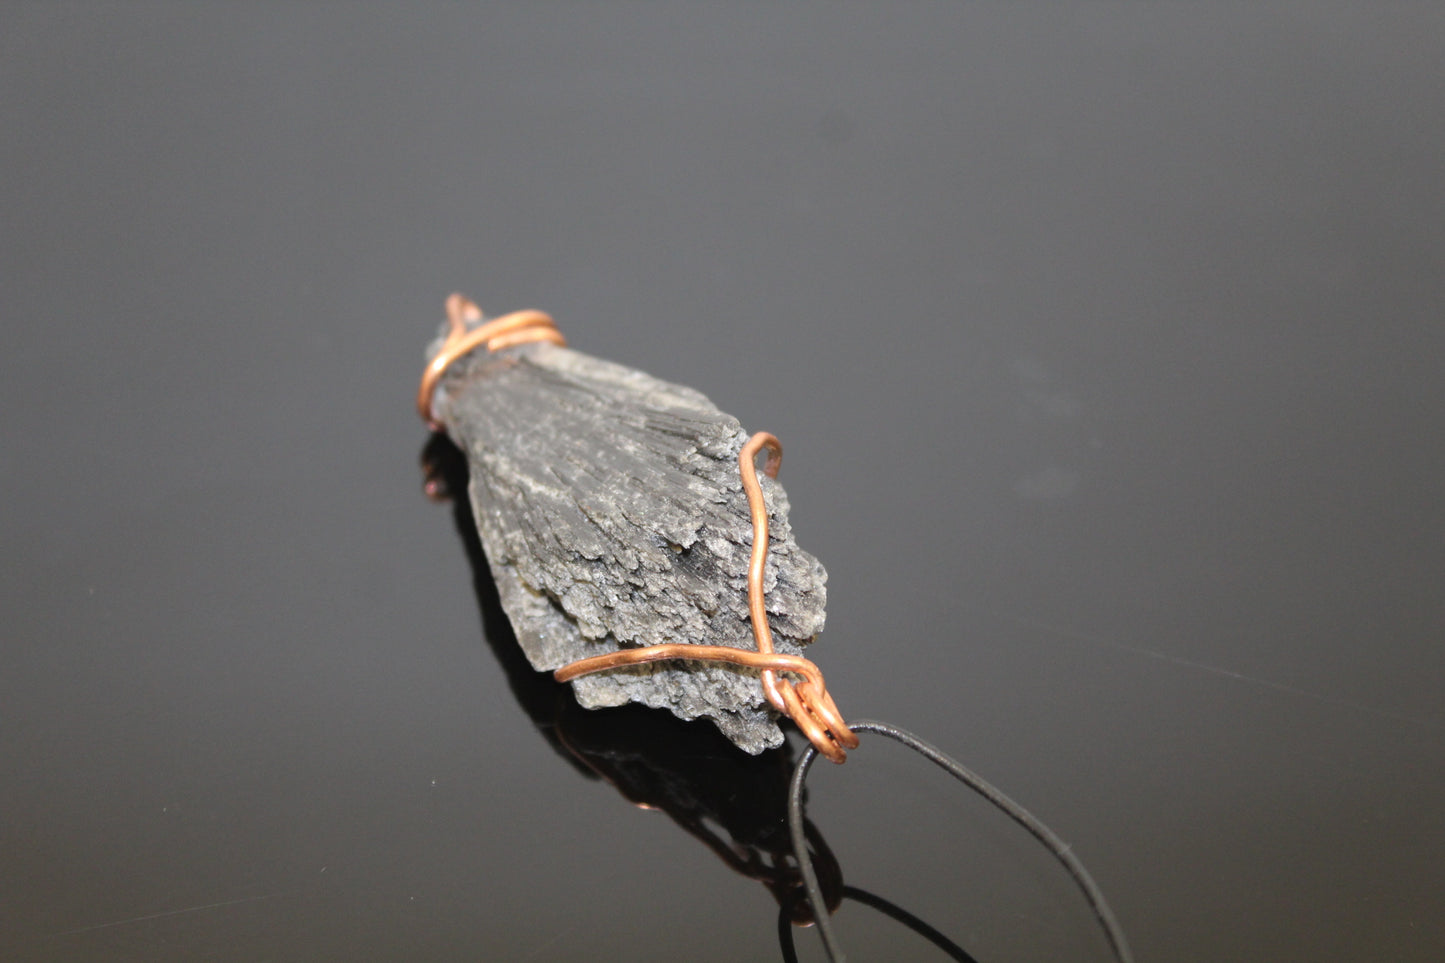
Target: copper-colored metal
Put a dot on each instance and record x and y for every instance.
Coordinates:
(757, 563)
(666, 651)
(812, 709)
(519, 327)
(806, 702)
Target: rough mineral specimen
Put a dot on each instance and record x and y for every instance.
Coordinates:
(612, 514)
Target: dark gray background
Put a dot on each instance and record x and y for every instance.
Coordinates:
(1105, 342)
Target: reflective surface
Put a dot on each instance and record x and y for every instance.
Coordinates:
(1105, 346)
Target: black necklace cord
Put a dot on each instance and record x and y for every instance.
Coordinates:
(893, 910)
(1060, 850)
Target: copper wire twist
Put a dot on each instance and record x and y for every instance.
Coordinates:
(519, 327)
(805, 701)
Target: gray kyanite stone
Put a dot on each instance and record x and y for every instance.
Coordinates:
(613, 515)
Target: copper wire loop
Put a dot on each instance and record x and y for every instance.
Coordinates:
(806, 702)
(519, 327)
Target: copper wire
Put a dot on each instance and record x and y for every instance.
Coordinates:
(805, 701)
(757, 563)
(519, 327)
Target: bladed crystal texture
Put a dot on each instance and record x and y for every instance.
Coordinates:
(612, 513)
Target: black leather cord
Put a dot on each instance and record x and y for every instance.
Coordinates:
(978, 784)
(923, 929)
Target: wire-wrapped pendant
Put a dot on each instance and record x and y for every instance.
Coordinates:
(613, 513)
(637, 553)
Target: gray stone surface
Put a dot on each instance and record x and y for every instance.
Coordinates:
(613, 515)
